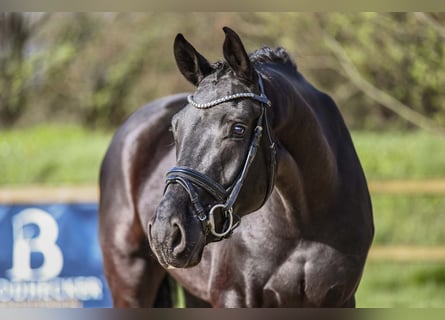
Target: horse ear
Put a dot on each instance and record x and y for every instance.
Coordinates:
(193, 66)
(236, 56)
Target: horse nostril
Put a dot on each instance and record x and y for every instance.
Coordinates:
(150, 237)
(177, 239)
(176, 236)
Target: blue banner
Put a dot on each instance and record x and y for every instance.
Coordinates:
(50, 256)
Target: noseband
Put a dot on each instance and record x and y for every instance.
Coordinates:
(188, 178)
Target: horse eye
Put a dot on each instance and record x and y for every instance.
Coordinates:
(239, 130)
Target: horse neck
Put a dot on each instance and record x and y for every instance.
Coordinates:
(306, 160)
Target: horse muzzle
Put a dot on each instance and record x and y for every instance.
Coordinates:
(176, 240)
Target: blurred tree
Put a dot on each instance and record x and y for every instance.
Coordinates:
(384, 70)
(127, 61)
(14, 69)
(401, 61)
(400, 56)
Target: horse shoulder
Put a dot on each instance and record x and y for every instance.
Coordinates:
(131, 154)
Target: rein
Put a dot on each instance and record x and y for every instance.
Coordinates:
(188, 177)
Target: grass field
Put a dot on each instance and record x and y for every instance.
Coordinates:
(414, 285)
(409, 219)
(51, 155)
(55, 155)
(397, 155)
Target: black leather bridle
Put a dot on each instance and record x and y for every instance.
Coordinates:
(188, 178)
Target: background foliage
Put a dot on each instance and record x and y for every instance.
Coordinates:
(95, 68)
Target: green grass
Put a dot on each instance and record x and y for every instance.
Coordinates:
(51, 155)
(397, 155)
(414, 285)
(55, 154)
(404, 219)
(409, 219)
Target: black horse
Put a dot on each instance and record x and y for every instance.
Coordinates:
(249, 192)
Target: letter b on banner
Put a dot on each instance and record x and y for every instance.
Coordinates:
(43, 242)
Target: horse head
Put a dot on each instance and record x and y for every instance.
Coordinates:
(224, 151)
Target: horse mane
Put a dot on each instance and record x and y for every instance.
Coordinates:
(269, 55)
(261, 56)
